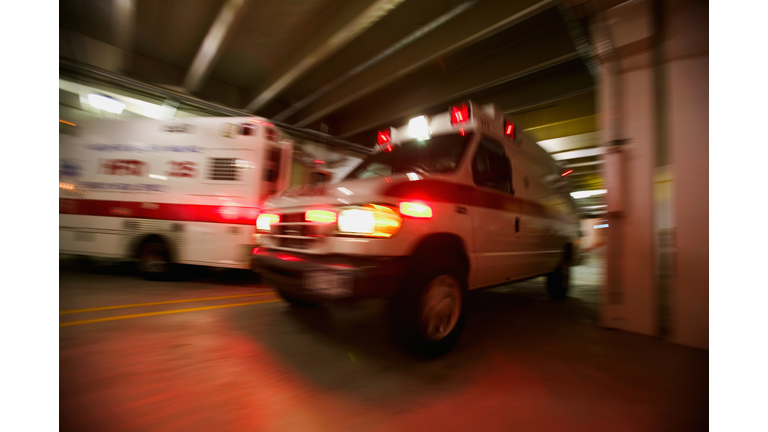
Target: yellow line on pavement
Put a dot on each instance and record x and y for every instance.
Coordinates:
(159, 303)
(66, 324)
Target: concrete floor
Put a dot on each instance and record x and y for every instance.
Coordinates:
(524, 363)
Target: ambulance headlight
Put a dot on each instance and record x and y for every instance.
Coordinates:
(370, 220)
(265, 220)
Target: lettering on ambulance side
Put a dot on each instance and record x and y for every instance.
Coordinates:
(182, 128)
(122, 167)
(69, 169)
(144, 148)
(184, 169)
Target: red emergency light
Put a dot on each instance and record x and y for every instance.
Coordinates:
(509, 129)
(384, 139)
(566, 173)
(459, 114)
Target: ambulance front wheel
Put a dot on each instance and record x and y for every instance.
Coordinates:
(429, 314)
(154, 261)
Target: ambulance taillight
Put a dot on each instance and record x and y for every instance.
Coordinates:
(459, 114)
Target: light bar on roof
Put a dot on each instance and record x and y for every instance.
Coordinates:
(418, 128)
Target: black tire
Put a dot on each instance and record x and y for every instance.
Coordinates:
(295, 301)
(154, 261)
(559, 280)
(429, 313)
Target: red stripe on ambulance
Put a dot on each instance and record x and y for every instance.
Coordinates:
(228, 214)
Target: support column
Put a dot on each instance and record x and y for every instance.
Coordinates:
(653, 111)
(626, 113)
(688, 82)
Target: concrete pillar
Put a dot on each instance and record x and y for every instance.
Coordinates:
(687, 59)
(653, 114)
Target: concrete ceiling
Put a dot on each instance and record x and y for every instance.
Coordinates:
(350, 67)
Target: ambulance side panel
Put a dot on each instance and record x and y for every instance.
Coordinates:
(189, 182)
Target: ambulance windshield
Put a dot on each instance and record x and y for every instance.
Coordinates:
(440, 154)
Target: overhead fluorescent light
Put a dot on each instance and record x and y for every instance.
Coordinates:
(105, 103)
(588, 193)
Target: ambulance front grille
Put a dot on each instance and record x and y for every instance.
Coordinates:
(293, 232)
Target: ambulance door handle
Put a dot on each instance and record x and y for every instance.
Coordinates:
(461, 210)
(517, 224)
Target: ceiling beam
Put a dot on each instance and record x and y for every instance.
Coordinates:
(124, 15)
(209, 49)
(81, 71)
(484, 20)
(456, 10)
(482, 75)
(343, 36)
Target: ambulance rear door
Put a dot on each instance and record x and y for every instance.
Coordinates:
(223, 199)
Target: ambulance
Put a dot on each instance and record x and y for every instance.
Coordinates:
(184, 191)
(459, 201)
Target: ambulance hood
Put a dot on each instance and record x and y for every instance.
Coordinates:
(346, 192)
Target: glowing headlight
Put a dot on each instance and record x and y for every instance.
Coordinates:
(265, 220)
(357, 221)
(370, 220)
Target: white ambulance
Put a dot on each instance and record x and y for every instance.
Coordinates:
(455, 202)
(163, 192)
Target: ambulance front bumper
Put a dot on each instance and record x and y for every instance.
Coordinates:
(328, 277)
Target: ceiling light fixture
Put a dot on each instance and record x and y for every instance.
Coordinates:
(105, 103)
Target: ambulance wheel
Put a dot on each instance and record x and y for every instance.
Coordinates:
(428, 316)
(558, 281)
(154, 261)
